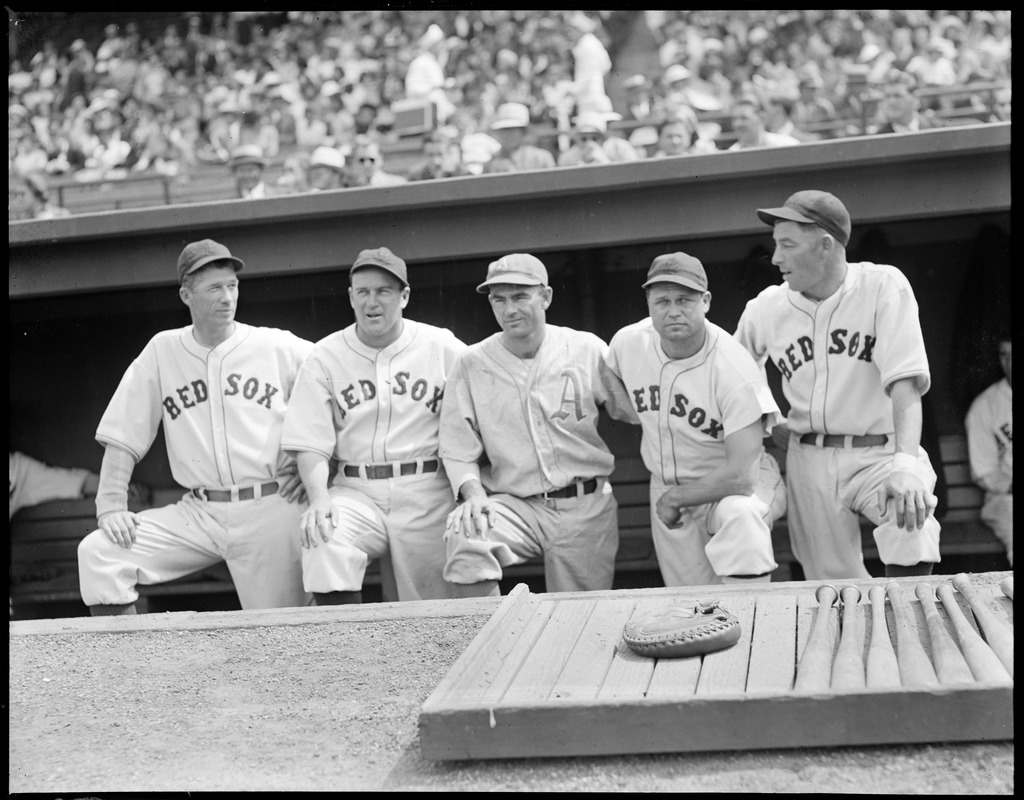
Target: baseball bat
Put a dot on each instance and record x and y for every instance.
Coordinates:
(950, 665)
(883, 669)
(1006, 584)
(915, 667)
(815, 670)
(998, 635)
(987, 668)
(848, 670)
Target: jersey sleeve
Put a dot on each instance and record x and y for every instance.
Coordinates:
(900, 352)
(309, 420)
(134, 413)
(617, 400)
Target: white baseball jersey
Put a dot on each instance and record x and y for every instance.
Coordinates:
(365, 405)
(222, 408)
(838, 356)
(989, 424)
(535, 419)
(688, 406)
(33, 482)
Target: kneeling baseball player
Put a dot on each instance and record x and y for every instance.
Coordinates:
(220, 389)
(370, 395)
(520, 443)
(704, 408)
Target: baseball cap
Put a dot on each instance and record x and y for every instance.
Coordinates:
(678, 268)
(635, 82)
(518, 268)
(511, 115)
(384, 259)
(199, 254)
(676, 72)
(327, 157)
(815, 208)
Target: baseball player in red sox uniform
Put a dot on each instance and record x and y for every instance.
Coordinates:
(704, 408)
(847, 339)
(989, 425)
(220, 388)
(520, 443)
(370, 395)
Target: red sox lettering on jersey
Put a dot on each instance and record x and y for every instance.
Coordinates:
(418, 389)
(698, 401)
(222, 437)
(196, 393)
(837, 356)
(385, 404)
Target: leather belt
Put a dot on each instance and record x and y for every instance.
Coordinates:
(234, 495)
(393, 469)
(839, 440)
(577, 489)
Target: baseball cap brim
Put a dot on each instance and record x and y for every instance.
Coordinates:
(516, 278)
(681, 280)
(770, 215)
(237, 263)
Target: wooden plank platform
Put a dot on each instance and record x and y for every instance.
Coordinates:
(549, 675)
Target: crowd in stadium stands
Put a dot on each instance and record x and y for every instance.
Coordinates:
(334, 83)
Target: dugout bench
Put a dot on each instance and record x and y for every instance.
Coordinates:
(44, 542)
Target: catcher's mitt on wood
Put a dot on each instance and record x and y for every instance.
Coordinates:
(679, 632)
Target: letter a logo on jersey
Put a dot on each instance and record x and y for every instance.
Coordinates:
(572, 395)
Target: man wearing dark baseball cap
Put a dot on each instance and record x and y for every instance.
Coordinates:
(846, 337)
(370, 396)
(703, 407)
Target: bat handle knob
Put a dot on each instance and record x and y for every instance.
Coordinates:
(826, 595)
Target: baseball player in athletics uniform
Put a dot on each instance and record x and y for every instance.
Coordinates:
(704, 408)
(847, 339)
(370, 396)
(520, 443)
(989, 425)
(220, 388)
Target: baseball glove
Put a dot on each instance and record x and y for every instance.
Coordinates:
(678, 632)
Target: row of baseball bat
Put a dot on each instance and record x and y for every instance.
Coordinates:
(986, 658)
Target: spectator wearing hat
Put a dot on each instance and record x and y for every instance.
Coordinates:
(593, 145)
(644, 140)
(442, 158)
(936, 66)
(107, 153)
(509, 127)
(683, 89)
(247, 165)
(642, 102)
(326, 169)
(811, 106)
(365, 166)
(748, 123)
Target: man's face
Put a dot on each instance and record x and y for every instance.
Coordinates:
(377, 298)
(899, 104)
(521, 311)
(363, 165)
(799, 255)
(677, 313)
(322, 177)
(674, 139)
(509, 138)
(247, 176)
(212, 296)
(746, 123)
(1006, 359)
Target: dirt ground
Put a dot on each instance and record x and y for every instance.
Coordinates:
(328, 700)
